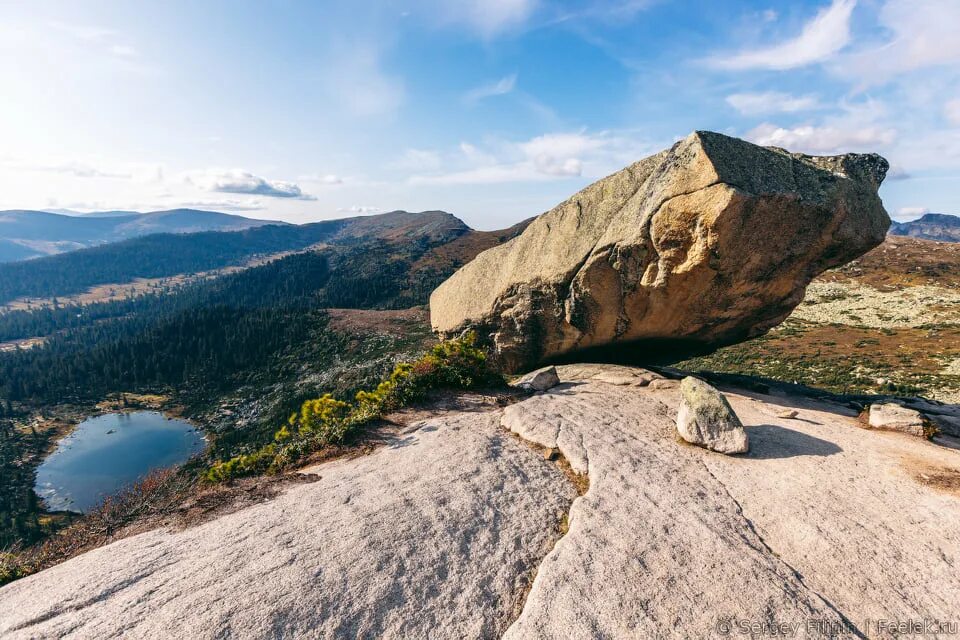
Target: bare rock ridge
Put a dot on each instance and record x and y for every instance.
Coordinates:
(710, 242)
(824, 529)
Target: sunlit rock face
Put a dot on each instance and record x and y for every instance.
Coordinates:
(708, 243)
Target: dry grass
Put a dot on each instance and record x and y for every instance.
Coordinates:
(903, 262)
(363, 321)
(942, 478)
(886, 323)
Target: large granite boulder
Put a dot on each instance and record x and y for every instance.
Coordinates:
(708, 243)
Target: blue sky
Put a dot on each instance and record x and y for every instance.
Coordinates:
(494, 110)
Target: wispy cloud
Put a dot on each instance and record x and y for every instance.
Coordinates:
(239, 181)
(820, 39)
(90, 33)
(487, 18)
(951, 111)
(359, 209)
(71, 168)
(922, 33)
(501, 87)
(548, 157)
(223, 205)
(98, 38)
(771, 102)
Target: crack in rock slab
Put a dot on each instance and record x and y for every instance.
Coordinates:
(430, 536)
(815, 530)
(656, 547)
(839, 504)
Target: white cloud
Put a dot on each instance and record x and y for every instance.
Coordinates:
(824, 139)
(223, 205)
(239, 181)
(68, 168)
(543, 158)
(495, 174)
(94, 38)
(897, 172)
(951, 111)
(923, 33)
(331, 179)
(912, 212)
(501, 87)
(488, 18)
(822, 37)
(79, 170)
(359, 209)
(559, 154)
(771, 102)
(89, 33)
(615, 12)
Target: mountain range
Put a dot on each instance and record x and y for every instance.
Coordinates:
(29, 234)
(930, 226)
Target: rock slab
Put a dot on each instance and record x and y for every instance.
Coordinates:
(705, 418)
(434, 535)
(710, 242)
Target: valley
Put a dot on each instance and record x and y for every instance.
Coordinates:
(335, 317)
(33, 234)
(235, 349)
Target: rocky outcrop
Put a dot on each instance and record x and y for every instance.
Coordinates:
(821, 528)
(894, 417)
(435, 535)
(707, 243)
(706, 419)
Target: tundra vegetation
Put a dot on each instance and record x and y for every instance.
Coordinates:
(326, 421)
(322, 424)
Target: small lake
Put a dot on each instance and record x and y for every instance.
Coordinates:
(108, 452)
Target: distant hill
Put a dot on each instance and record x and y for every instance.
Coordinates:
(931, 226)
(41, 233)
(163, 255)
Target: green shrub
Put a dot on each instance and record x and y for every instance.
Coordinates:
(243, 465)
(326, 421)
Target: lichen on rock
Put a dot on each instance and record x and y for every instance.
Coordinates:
(710, 242)
(705, 418)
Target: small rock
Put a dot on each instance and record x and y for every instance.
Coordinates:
(616, 379)
(705, 418)
(787, 414)
(644, 379)
(663, 383)
(551, 453)
(539, 380)
(896, 418)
